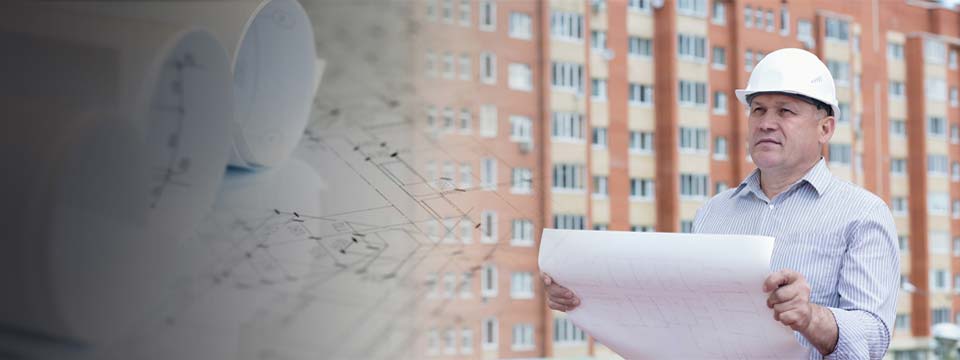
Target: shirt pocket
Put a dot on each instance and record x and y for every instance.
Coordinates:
(816, 255)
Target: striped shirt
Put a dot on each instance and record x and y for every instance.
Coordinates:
(838, 235)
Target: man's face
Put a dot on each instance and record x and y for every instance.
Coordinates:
(786, 132)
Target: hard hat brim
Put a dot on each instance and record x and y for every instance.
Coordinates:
(743, 94)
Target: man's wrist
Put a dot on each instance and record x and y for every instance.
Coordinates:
(823, 332)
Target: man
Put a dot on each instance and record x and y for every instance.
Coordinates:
(835, 260)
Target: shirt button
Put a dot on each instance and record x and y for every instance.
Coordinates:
(771, 206)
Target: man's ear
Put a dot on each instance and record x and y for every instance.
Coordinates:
(825, 128)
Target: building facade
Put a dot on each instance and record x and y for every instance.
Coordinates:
(620, 115)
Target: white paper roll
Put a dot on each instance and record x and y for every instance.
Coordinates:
(122, 131)
(272, 53)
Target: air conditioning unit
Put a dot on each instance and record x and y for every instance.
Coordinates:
(525, 146)
(608, 54)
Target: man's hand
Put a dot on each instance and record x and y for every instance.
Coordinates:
(558, 297)
(790, 300)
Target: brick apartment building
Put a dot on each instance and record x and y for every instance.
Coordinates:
(620, 115)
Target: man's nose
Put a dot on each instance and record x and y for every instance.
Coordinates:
(766, 122)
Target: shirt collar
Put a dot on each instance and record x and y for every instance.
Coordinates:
(819, 177)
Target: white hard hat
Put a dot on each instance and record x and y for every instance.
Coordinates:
(792, 71)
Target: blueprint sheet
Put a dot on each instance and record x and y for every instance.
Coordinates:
(670, 296)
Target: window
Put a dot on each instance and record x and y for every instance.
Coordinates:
(641, 142)
(565, 332)
(693, 93)
(488, 227)
(899, 205)
(693, 186)
(431, 112)
(466, 176)
(638, 46)
(446, 11)
(758, 17)
(936, 89)
(844, 114)
(466, 231)
(686, 226)
(954, 97)
(448, 69)
(692, 47)
(805, 33)
(940, 315)
(600, 227)
(937, 165)
(431, 285)
(938, 203)
(641, 228)
(568, 126)
(598, 40)
(466, 341)
(600, 186)
(431, 9)
(466, 121)
(491, 332)
(568, 76)
(638, 5)
(465, 67)
(522, 233)
(448, 119)
(567, 176)
(693, 139)
(955, 171)
(952, 59)
(939, 277)
(449, 285)
(956, 209)
(522, 337)
(465, 12)
(719, 102)
(449, 174)
(956, 250)
(488, 121)
(521, 78)
(895, 51)
(430, 64)
(566, 26)
(898, 166)
(896, 90)
(898, 127)
(521, 129)
(934, 51)
(520, 26)
(769, 20)
(599, 137)
(433, 341)
(488, 68)
(720, 187)
(904, 242)
(598, 89)
(719, 57)
(466, 284)
(748, 60)
(784, 20)
(840, 71)
(641, 189)
(720, 148)
(936, 126)
(568, 221)
(903, 322)
(521, 285)
(839, 154)
(748, 17)
(488, 173)
(488, 15)
(521, 181)
(837, 29)
(696, 8)
(719, 13)
(488, 281)
(640, 94)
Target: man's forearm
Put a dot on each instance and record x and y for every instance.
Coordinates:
(823, 331)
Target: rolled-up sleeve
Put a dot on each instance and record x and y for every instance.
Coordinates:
(868, 287)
